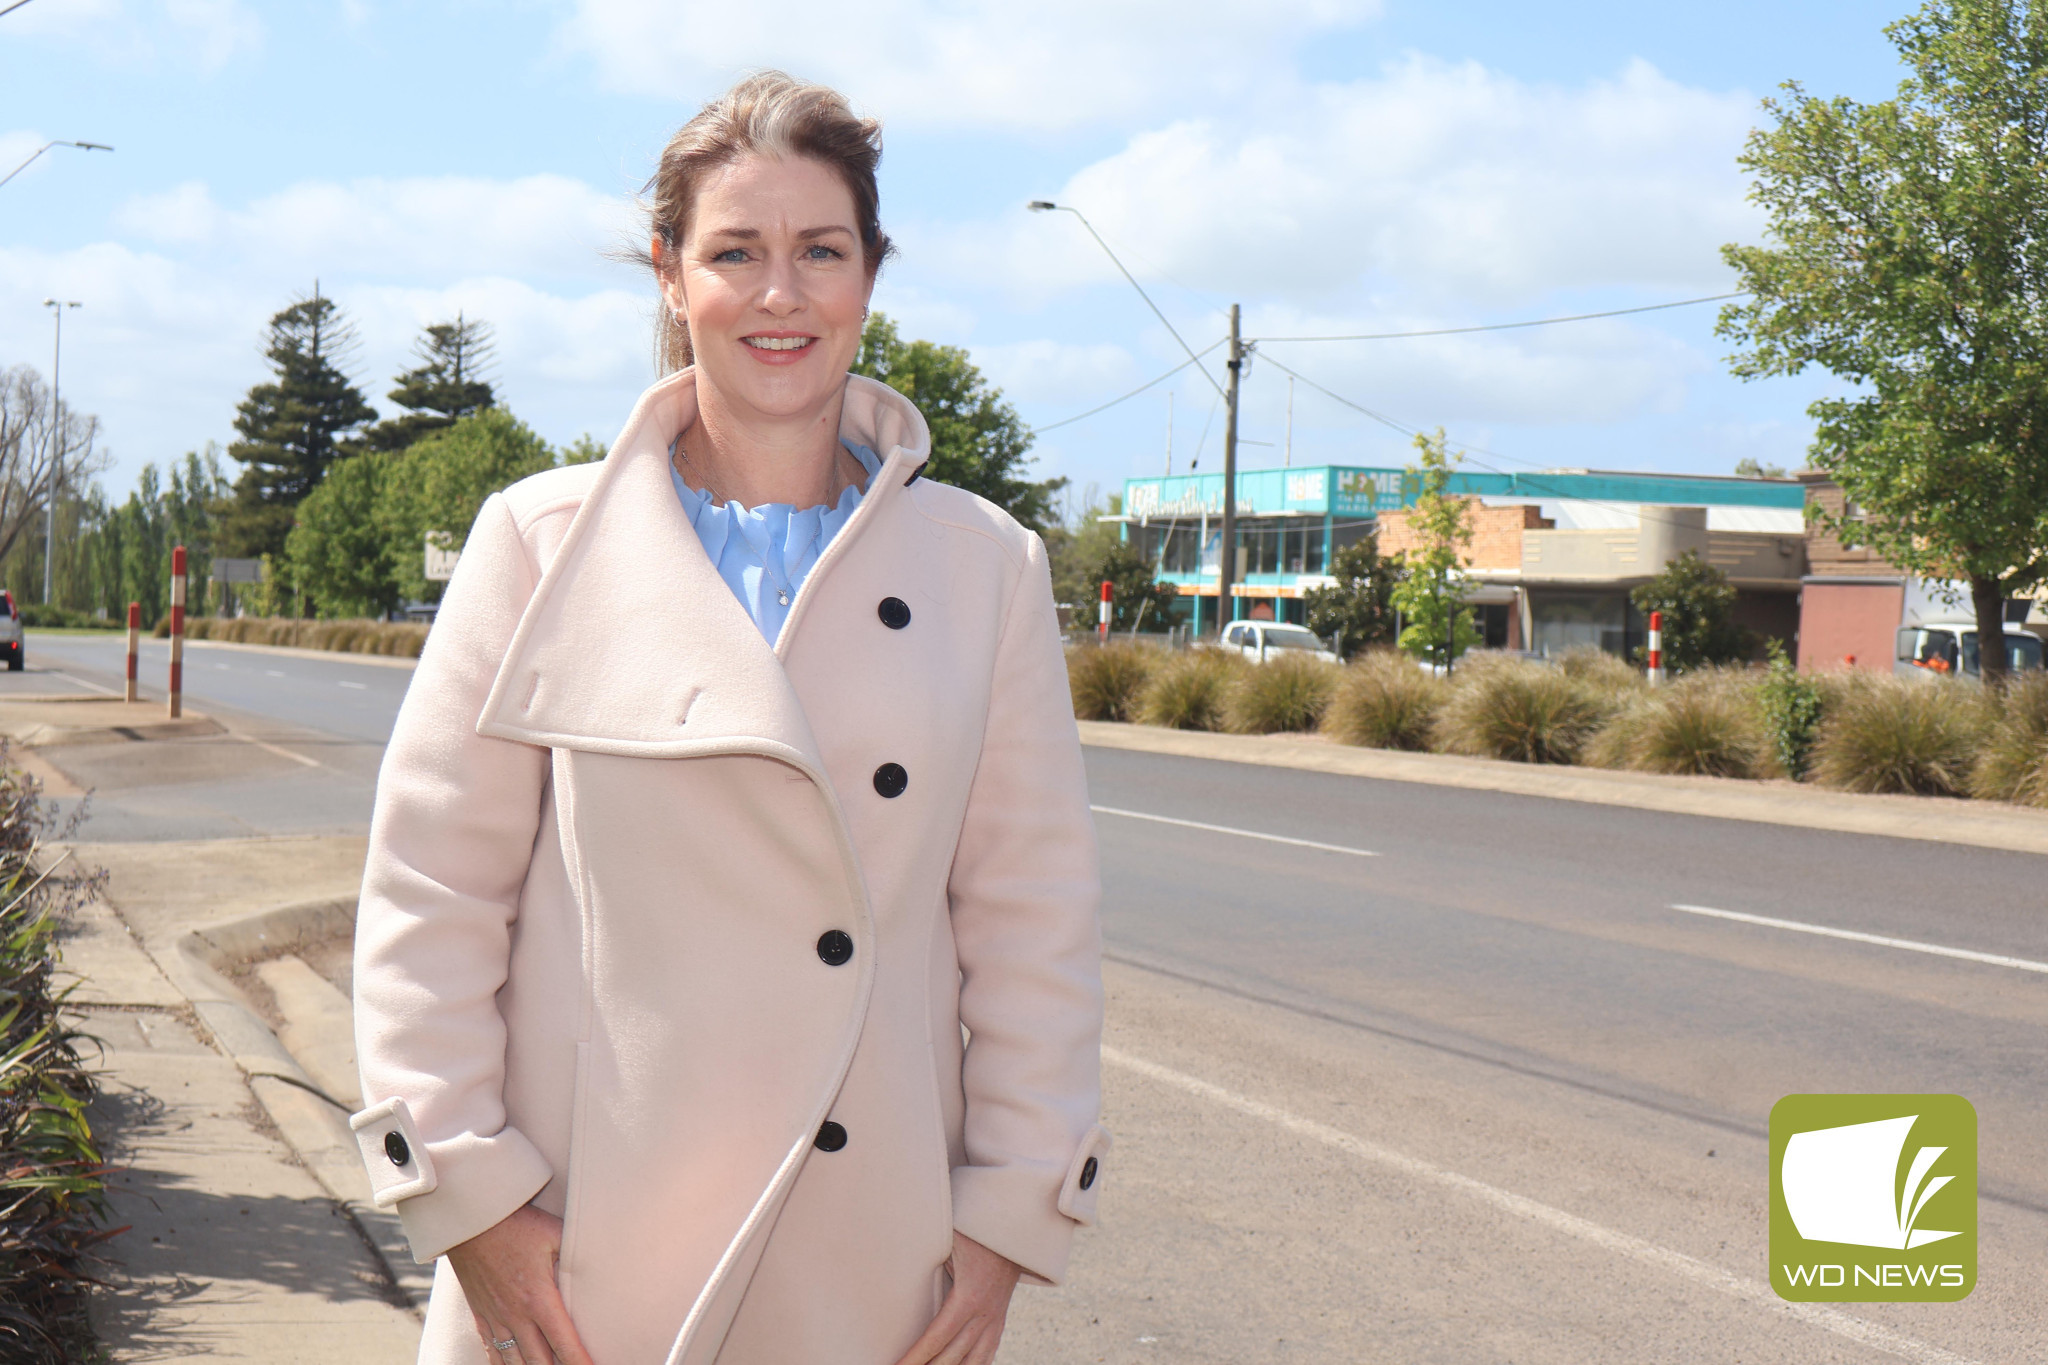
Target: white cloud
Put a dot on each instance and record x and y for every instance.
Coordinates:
(1437, 180)
(963, 63)
(1045, 371)
(546, 224)
(206, 33)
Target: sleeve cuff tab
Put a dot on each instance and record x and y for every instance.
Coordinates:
(393, 1153)
(1083, 1184)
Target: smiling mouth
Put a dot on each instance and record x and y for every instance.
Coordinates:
(778, 343)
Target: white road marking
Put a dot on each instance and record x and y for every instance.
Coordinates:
(357, 686)
(1907, 944)
(272, 673)
(1703, 1273)
(88, 686)
(1240, 833)
(270, 748)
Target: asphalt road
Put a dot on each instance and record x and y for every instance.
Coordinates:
(1460, 1084)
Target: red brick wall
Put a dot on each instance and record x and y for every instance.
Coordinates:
(1849, 625)
(1496, 534)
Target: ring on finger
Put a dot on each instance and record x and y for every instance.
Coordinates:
(508, 1344)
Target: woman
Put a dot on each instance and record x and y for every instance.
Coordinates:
(737, 777)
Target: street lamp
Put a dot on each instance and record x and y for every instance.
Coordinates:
(82, 146)
(56, 442)
(1226, 560)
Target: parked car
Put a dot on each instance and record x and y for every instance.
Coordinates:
(1263, 640)
(1948, 649)
(10, 634)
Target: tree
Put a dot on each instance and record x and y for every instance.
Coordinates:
(1137, 599)
(440, 484)
(1908, 254)
(341, 548)
(294, 427)
(43, 452)
(1431, 595)
(978, 441)
(1749, 467)
(1077, 544)
(1357, 610)
(447, 384)
(1698, 603)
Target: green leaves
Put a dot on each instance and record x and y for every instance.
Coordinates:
(1431, 593)
(1698, 603)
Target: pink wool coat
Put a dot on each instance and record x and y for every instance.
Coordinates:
(675, 935)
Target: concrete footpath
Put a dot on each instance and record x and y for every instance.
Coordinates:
(237, 1247)
(1982, 824)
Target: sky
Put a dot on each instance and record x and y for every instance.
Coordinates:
(1333, 166)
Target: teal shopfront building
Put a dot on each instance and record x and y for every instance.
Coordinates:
(1291, 522)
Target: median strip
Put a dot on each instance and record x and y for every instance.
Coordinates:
(1906, 944)
(1240, 833)
(1703, 1273)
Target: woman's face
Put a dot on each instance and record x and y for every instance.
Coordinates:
(773, 283)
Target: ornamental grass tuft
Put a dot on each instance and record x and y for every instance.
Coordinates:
(1188, 690)
(1288, 692)
(1107, 680)
(1384, 701)
(52, 1196)
(1705, 724)
(1900, 735)
(404, 639)
(1521, 711)
(2012, 764)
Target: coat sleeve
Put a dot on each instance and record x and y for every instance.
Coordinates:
(1024, 892)
(450, 841)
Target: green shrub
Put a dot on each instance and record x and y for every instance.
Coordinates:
(1790, 704)
(1106, 680)
(1526, 712)
(1187, 691)
(1383, 701)
(2012, 764)
(1704, 725)
(36, 616)
(1896, 735)
(1288, 692)
(51, 1178)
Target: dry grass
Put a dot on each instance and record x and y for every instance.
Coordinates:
(1521, 711)
(1286, 693)
(1107, 680)
(1896, 735)
(1384, 701)
(1188, 690)
(402, 639)
(1705, 724)
(1602, 673)
(2012, 764)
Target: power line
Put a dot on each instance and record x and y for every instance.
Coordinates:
(1193, 357)
(1511, 326)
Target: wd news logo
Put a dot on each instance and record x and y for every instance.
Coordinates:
(1873, 1198)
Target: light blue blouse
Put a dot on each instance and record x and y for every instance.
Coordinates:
(764, 553)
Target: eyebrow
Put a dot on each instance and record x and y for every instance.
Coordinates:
(754, 234)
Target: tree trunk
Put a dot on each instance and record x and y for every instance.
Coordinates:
(1987, 596)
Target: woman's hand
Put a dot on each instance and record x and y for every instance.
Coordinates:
(969, 1326)
(508, 1275)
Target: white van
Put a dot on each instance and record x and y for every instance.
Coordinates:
(1263, 640)
(1948, 649)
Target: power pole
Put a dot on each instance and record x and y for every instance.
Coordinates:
(56, 443)
(1226, 601)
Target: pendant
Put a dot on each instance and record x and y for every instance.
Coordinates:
(782, 597)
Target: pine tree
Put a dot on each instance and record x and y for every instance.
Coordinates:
(293, 428)
(447, 384)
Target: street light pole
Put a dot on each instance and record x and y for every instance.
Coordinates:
(56, 444)
(1226, 560)
(82, 146)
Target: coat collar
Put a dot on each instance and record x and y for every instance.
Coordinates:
(632, 643)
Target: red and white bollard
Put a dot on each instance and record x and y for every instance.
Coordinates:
(1656, 655)
(1102, 628)
(177, 631)
(134, 650)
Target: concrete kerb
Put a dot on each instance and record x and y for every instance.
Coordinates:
(1981, 824)
(41, 722)
(313, 1123)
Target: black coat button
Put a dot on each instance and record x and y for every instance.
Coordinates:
(890, 779)
(395, 1148)
(835, 947)
(895, 612)
(831, 1137)
(1088, 1173)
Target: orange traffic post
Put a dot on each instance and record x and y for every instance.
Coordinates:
(1102, 627)
(177, 631)
(134, 649)
(1655, 657)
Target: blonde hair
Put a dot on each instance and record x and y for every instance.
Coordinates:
(767, 114)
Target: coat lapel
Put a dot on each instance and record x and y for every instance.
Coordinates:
(632, 644)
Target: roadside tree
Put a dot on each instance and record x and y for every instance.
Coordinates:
(293, 427)
(439, 484)
(1698, 603)
(1137, 599)
(447, 384)
(1357, 611)
(1437, 624)
(341, 550)
(1907, 253)
(978, 440)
